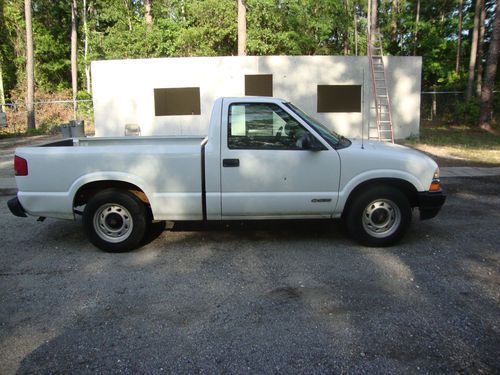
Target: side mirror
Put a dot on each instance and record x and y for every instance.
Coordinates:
(309, 142)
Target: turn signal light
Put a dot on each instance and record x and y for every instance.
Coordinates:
(20, 166)
(435, 185)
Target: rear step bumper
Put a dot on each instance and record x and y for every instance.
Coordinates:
(16, 208)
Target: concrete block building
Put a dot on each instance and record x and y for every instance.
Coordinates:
(174, 96)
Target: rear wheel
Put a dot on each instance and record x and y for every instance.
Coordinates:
(379, 216)
(115, 220)
(153, 230)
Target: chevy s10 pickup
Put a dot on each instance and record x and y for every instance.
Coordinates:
(263, 158)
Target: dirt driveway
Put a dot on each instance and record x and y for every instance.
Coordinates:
(261, 298)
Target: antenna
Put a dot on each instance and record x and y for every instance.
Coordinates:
(363, 113)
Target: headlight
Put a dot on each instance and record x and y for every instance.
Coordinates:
(436, 174)
(436, 183)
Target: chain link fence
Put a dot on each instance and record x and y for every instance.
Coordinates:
(451, 107)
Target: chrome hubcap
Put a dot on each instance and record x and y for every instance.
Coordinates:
(113, 223)
(381, 218)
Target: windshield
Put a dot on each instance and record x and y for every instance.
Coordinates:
(330, 136)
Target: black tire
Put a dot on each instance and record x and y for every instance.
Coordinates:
(115, 220)
(154, 229)
(378, 216)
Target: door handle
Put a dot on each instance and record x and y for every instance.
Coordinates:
(231, 162)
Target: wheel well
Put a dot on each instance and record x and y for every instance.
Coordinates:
(87, 191)
(404, 186)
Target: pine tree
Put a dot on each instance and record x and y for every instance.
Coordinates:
(30, 73)
(490, 75)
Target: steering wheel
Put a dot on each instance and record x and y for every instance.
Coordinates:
(278, 133)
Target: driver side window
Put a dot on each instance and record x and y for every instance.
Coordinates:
(263, 126)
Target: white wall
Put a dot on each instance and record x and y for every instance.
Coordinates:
(123, 89)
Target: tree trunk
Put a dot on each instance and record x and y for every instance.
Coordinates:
(355, 29)
(129, 19)
(74, 68)
(473, 52)
(459, 35)
(434, 104)
(347, 31)
(86, 47)
(394, 21)
(415, 34)
(490, 75)
(242, 28)
(30, 74)
(147, 12)
(2, 94)
(373, 9)
(480, 48)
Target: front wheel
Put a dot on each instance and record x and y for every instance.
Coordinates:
(379, 216)
(115, 220)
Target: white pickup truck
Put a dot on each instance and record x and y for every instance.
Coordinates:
(263, 158)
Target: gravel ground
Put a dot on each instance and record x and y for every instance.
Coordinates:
(294, 297)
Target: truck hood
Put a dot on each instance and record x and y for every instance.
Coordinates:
(387, 148)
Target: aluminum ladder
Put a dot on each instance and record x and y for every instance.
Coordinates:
(382, 130)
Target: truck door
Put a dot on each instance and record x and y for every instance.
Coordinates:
(265, 170)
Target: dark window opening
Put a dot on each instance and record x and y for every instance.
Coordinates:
(177, 101)
(259, 85)
(339, 98)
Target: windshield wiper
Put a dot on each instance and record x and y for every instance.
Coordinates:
(342, 141)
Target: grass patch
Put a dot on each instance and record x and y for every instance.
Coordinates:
(454, 145)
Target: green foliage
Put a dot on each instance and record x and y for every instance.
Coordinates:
(208, 28)
(11, 44)
(469, 111)
(267, 30)
(297, 27)
(51, 36)
(436, 37)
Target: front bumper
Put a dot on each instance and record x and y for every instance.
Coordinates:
(16, 208)
(430, 203)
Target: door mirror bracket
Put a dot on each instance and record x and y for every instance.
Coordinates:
(309, 142)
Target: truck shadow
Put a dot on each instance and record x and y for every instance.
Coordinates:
(272, 231)
(295, 226)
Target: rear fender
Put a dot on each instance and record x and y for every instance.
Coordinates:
(111, 177)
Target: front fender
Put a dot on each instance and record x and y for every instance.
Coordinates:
(377, 174)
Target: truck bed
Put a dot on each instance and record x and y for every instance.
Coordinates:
(167, 169)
